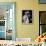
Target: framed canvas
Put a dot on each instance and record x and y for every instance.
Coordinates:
(26, 16)
(7, 20)
(42, 22)
(42, 1)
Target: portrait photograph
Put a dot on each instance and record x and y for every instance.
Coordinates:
(26, 16)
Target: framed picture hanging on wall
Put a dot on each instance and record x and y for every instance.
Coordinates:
(26, 16)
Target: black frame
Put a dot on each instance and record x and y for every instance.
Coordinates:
(30, 12)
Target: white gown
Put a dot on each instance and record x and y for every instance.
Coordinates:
(25, 19)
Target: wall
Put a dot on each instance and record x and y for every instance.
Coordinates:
(30, 30)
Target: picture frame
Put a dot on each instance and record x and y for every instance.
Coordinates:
(26, 16)
(42, 1)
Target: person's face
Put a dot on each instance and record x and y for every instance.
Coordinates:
(27, 13)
